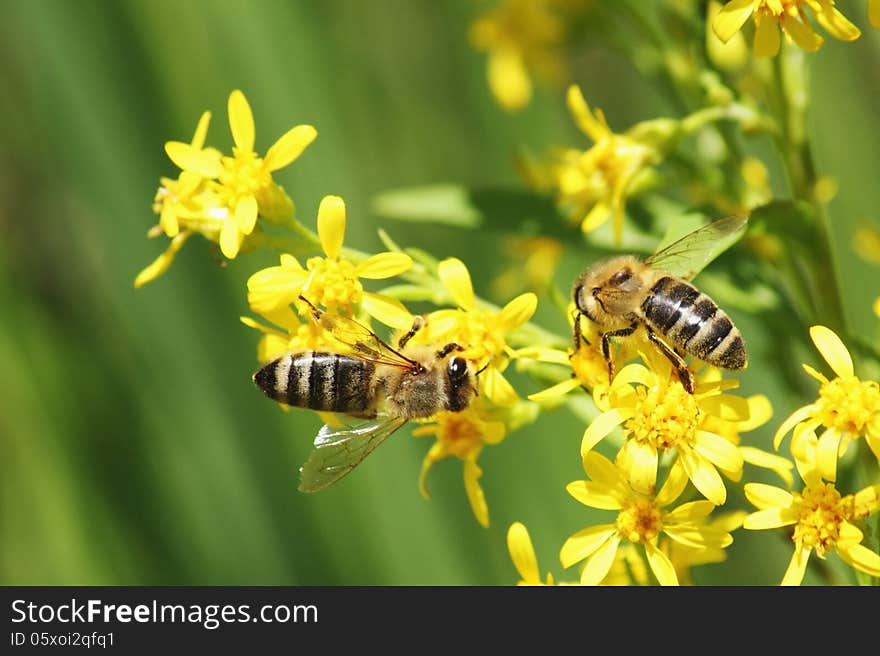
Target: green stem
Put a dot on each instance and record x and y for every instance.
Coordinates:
(792, 81)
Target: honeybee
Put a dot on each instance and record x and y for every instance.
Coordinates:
(386, 386)
(623, 293)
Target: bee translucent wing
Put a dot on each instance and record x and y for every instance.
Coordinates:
(339, 450)
(363, 341)
(687, 256)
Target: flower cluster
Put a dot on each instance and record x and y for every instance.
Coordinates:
(222, 197)
(789, 17)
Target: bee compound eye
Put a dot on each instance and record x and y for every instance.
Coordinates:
(457, 367)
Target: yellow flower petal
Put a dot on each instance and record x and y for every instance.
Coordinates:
(331, 225)
(388, 310)
(499, 391)
(767, 39)
(794, 575)
(517, 312)
(833, 350)
(874, 17)
(289, 147)
(189, 158)
(230, 239)
(508, 79)
(690, 512)
(602, 471)
(726, 407)
(640, 461)
(383, 265)
(559, 389)
(676, 481)
(867, 501)
(860, 557)
(760, 412)
(584, 543)
(455, 277)
(160, 264)
(598, 214)
(472, 473)
(241, 121)
(660, 565)
(582, 115)
(802, 33)
(435, 453)
(849, 533)
(836, 24)
(793, 420)
(201, 133)
(770, 518)
(168, 220)
(698, 537)
(814, 374)
(877, 300)
(597, 495)
(600, 427)
(718, 451)
(246, 214)
(523, 554)
(732, 17)
(826, 454)
(542, 354)
(704, 476)
(600, 562)
(778, 464)
(764, 496)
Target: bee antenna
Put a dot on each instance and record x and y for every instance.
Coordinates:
(486, 366)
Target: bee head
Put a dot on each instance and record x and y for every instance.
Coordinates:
(597, 291)
(461, 383)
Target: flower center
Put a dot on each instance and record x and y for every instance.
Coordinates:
(665, 416)
(478, 332)
(332, 283)
(640, 520)
(821, 512)
(459, 434)
(848, 404)
(243, 175)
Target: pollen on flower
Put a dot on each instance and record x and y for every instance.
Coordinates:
(459, 434)
(243, 174)
(640, 520)
(589, 366)
(822, 512)
(848, 404)
(332, 283)
(665, 416)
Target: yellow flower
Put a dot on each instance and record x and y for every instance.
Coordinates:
(244, 186)
(482, 333)
(874, 17)
(659, 415)
(821, 517)
(595, 182)
(641, 519)
(523, 556)
(847, 408)
(522, 37)
(331, 281)
(788, 16)
(877, 306)
(463, 435)
(297, 336)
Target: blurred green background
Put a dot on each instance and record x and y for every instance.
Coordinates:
(135, 448)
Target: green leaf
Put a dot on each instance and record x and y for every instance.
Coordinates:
(504, 210)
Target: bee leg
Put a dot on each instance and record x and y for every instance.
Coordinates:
(606, 345)
(578, 335)
(418, 324)
(685, 375)
(446, 350)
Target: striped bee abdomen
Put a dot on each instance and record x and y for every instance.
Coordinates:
(319, 381)
(692, 321)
